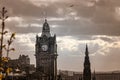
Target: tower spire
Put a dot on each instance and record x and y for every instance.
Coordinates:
(86, 51)
(46, 29)
(94, 76)
(87, 69)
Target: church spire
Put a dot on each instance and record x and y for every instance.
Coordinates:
(46, 29)
(87, 69)
(94, 76)
(86, 51)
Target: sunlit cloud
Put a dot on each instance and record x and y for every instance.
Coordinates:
(54, 26)
(53, 19)
(103, 46)
(22, 25)
(17, 19)
(68, 43)
(69, 19)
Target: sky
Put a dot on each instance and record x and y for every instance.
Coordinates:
(76, 23)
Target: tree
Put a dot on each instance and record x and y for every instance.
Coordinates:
(4, 60)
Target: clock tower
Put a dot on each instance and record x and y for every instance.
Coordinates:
(46, 54)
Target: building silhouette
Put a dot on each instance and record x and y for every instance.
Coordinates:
(87, 69)
(46, 54)
(21, 63)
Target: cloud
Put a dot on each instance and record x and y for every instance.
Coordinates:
(95, 22)
(98, 44)
(102, 52)
(68, 44)
(79, 19)
(72, 49)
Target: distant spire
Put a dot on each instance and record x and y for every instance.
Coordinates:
(87, 69)
(94, 71)
(94, 76)
(86, 51)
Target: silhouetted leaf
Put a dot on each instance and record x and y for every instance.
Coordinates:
(1, 69)
(4, 59)
(13, 35)
(4, 46)
(6, 17)
(12, 49)
(5, 32)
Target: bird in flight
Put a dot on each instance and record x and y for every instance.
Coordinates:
(71, 5)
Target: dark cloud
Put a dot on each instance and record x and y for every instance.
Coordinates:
(25, 8)
(107, 39)
(98, 19)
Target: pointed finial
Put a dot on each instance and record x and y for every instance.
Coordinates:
(86, 47)
(45, 20)
(86, 51)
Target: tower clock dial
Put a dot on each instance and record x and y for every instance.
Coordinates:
(44, 47)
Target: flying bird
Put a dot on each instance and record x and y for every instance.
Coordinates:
(72, 5)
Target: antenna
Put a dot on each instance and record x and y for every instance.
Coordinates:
(45, 13)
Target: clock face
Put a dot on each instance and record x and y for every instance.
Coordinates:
(44, 47)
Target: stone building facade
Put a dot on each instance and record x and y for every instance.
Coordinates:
(21, 63)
